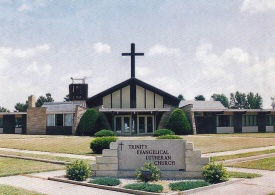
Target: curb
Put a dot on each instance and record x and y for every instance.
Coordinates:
(103, 186)
(144, 192)
(37, 159)
(213, 186)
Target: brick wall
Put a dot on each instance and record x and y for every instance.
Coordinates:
(36, 121)
(79, 111)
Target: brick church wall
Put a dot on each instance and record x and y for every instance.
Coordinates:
(36, 120)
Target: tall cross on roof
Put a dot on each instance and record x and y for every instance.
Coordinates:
(132, 54)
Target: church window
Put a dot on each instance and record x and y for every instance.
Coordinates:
(269, 120)
(224, 121)
(249, 120)
(59, 120)
(68, 120)
(50, 119)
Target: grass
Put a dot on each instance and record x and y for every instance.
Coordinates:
(187, 185)
(264, 164)
(10, 166)
(42, 156)
(145, 187)
(243, 175)
(242, 155)
(253, 135)
(81, 145)
(4, 189)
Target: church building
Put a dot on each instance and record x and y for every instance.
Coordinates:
(133, 106)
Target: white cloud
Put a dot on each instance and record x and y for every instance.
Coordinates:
(143, 71)
(160, 49)
(102, 48)
(39, 70)
(23, 53)
(31, 5)
(254, 6)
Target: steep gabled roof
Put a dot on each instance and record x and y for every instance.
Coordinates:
(96, 100)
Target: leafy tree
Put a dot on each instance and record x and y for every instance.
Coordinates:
(21, 107)
(67, 98)
(200, 98)
(40, 101)
(245, 101)
(179, 123)
(87, 123)
(2, 109)
(180, 96)
(222, 98)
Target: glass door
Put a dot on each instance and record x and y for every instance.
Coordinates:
(141, 124)
(145, 124)
(123, 124)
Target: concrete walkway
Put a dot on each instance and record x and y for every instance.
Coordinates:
(38, 182)
(50, 153)
(257, 186)
(245, 159)
(239, 151)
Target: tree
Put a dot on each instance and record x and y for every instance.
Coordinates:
(40, 101)
(180, 96)
(200, 98)
(2, 109)
(222, 98)
(67, 98)
(87, 122)
(21, 107)
(245, 101)
(179, 123)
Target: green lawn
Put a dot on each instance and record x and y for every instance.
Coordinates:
(256, 135)
(10, 166)
(47, 157)
(243, 175)
(81, 145)
(265, 164)
(227, 157)
(9, 190)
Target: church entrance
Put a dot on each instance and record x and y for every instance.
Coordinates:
(123, 124)
(145, 124)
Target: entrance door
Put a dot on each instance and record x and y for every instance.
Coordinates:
(123, 124)
(145, 124)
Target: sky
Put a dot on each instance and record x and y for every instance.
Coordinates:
(191, 47)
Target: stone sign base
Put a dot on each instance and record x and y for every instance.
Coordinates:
(112, 162)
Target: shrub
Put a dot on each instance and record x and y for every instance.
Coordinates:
(107, 181)
(179, 123)
(87, 123)
(187, 185)
(215, 173)
(155, 171)
(161, 132)
(105, 133)
(145, 187)
(169, 137)
(78, 171)
(100, 143)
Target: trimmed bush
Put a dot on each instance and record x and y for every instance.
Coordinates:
(107, 181)
(161, 132)
(87, 123)
(100, 143)
(78, 171)
(179, 123)
(187, 185)
(155, 171)
(169, 137)
(215, 173)
(145, 187)
(105, 133)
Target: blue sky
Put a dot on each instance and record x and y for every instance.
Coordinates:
(191, 47)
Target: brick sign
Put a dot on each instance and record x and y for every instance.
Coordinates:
(166, 154)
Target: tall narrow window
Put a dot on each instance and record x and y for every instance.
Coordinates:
(68, 119)
(18, 121)
(50, 120)
(118, 124)
(59, 120)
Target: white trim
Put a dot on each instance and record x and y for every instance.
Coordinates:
(269, 129)
(250, 129)
(225, 129)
